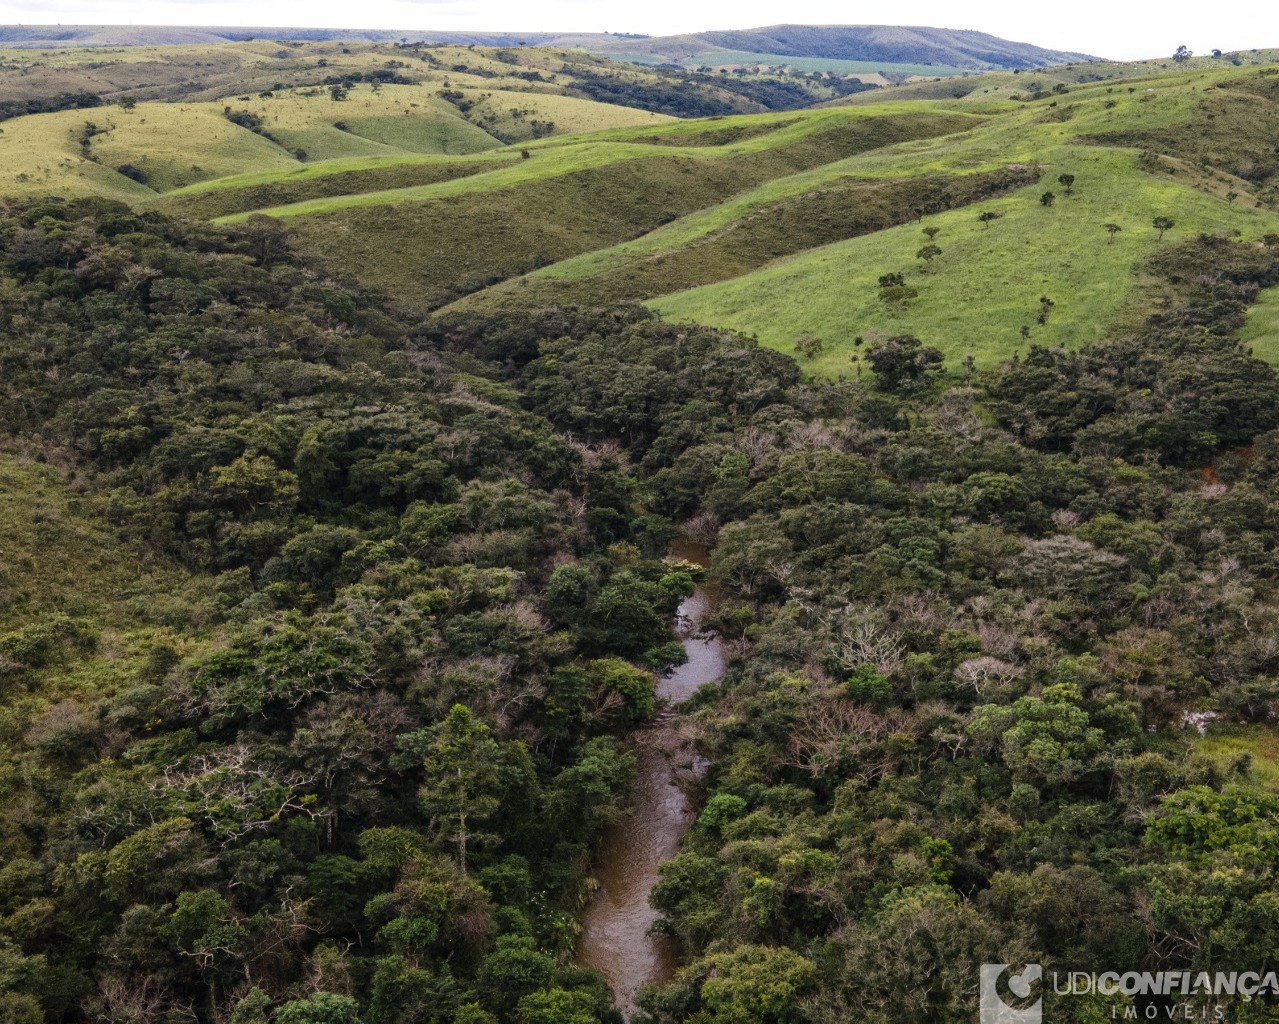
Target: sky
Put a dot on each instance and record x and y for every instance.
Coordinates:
(1120, 29)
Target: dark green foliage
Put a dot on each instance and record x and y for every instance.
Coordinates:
(359, 779)
(903, 364)
(45, 105)
(691, 94)
(375, 711)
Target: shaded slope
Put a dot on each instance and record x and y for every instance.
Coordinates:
(834, 210)
(959, 48)
(412, 248)
(299, 185)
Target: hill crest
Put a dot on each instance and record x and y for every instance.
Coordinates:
(960, 48)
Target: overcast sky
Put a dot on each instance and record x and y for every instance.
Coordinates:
(1108, 28)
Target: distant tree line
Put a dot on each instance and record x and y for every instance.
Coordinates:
(49, 104)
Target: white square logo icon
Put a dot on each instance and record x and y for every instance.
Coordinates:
(1011, 996)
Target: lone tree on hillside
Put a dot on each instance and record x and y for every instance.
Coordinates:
(1114, 229)
(986, 216)
(1183, 53)
(1270, 241)
(928, 253)
(894, 291)
(1047, 199)
(903, 365)
(808, 345)
(1067, 181)
(932, 231)
(1045, 307)
(1163, 224)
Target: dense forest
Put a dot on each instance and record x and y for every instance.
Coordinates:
(358, 771)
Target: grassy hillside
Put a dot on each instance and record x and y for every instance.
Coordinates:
(171, 145)
(879, 43)
(565, 200)
(1024, 84)
(985, 285)
(874, 43)
(779, 224)
(782, 217)
(80, 607)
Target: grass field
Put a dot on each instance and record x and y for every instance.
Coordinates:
(812, 139)
(1224, 743)
(779, 218)
(1261, 332)
(988, 280)
(777, 224)
(175, 145)
(1119, 75)
(566, 199)
(59, 562)
(985, 286)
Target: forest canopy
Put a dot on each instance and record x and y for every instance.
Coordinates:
(351, 763)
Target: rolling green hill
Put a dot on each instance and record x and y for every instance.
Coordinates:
(880, 44)
(985, 285)
(380, 423)
(779, 224)
(800, 258)
(567, 199)
(946, 48)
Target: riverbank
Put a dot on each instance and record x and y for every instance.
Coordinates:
(616, 939)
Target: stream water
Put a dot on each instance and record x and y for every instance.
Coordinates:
(615, 936)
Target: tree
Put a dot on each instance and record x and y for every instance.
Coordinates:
(127, 102)
(1163, 224)
(928, 253)
(932, 231)
(461, 775)
(1113, 229)
(808, 345)
(1045, 307)
(751, 985)
(1184, 53)
(1067, 181)
(902, 364)
(321, 1008)
(1047, 199)
(986, 216)
(1271, 240)
(1216, 52)
(894, 290)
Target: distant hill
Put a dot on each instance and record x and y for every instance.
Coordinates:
(55, 36)
(881, 43)
(887, 44)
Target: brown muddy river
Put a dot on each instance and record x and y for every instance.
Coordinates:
(615, 936)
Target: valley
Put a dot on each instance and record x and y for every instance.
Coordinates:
(743, 527)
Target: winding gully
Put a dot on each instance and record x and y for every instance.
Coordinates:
(615, 937)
